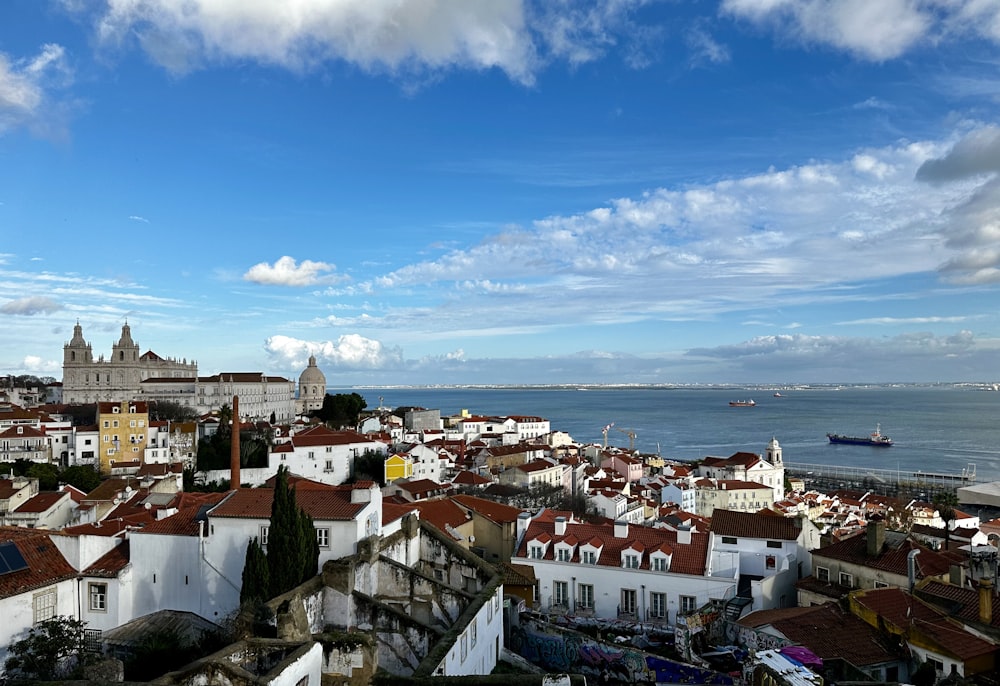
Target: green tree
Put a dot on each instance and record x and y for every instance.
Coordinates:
(256, 575)
(341, 410)
(53, 649)
(946, 502)
(82, 476)
(369, 465)
(47, 475)
(168, 410)
(292, 553)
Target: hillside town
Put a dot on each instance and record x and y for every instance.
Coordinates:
(450, 546)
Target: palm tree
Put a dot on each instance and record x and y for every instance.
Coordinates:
(946, 502)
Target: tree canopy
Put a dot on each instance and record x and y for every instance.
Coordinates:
(341, 410)
(292, 554)
(54, 649)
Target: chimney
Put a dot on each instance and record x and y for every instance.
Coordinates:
(523, 520)
(234, 451)
(986, 601)
(361, 494)
(621, 528)
(560, 526)
(684, 534)
(875, 537)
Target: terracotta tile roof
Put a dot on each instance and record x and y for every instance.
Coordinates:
(755, 525)
(467, 478)
(21, 431)
(111, 488)
(686, 559)
(517, 574)
(111, 563)
(322, 435)
(106, 527)
(893, 559)
(421, 486)
(830, 632)
(494, 511)
(740, 459)
(899, 608)
(961, 602)
(441, 512)
(392, 511)
(333, 504)
(535, 466)
(46, 565)
(42, 502)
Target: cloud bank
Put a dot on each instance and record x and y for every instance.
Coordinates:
(27, 88)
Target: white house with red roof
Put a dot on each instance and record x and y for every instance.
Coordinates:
(534, 474)
(630, 468)
(342, 516)
(44, 510)
(317, 453)
(619, 571)
(731, 494)
(743, 466)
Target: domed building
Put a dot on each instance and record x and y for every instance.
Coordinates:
(312, 388)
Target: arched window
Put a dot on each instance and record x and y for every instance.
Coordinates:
(72, 356)
(121, 355)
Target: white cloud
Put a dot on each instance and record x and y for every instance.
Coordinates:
(285, 272)
(401, 36)
(137, 218)
(33, 363)
(26, 90)
(704, 48)
(350, 351)
(875, 31)
(30, 306)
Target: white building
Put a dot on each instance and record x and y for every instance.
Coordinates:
(618, 571)
(729, 494)
(742, 466)
(772, 553)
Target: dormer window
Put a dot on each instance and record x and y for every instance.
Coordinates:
(564, 554)
(536, 552)
(630, 561)
(588, 557)
(116, 409)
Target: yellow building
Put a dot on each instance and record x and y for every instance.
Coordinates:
(123, 430)
(398, 467)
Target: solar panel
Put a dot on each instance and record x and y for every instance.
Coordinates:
(11, 559)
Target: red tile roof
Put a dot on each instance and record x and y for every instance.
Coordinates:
(755, 525)
(42, 502)
(46, 565)
(830, 632)
(332, 504)
(111, 563)
(494, 511)
(689, 558)
(441, 512)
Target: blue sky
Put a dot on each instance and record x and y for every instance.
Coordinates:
(502, 191)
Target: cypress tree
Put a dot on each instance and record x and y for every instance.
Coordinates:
(256, 584)
(292, 552)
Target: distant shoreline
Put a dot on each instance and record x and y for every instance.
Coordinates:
(957, 385)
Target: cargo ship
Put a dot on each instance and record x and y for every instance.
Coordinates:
(742, 403)
(875, 438)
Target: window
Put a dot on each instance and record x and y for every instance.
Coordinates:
(560, 593)
(628, 602)
(106, 424)
(588, 557)
(688, 604)
(98, 597)
(587, 596)
(659, 564)
(564, 554)
(823, 574)
(114, 424)
(536, 552)
(657, 604)
(473, 631)
(774, 544)
(937, 664)
(44, 605)
(132, 423)
(631, 562)
(881, 584)
(323, 538)
(465, 646)
(263, 534)
(329, 465)
(729, 540)
(770, 562)
(846, 579)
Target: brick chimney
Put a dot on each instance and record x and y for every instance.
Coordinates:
(234, 451)
(986, 600)
(875, 537)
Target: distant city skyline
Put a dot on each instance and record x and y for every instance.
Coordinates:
(505, 191)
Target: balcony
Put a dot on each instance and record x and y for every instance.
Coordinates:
(558, 608)
(627, 614)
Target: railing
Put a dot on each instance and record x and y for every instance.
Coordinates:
(626, 613)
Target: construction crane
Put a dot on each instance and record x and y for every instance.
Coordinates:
(631, 438)
(605, 431)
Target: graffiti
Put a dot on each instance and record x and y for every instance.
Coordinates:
(753, 640)
(566, 651)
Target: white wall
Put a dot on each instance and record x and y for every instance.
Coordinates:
(465, 657)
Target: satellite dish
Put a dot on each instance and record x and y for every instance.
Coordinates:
(128, 490)
(149, 506)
